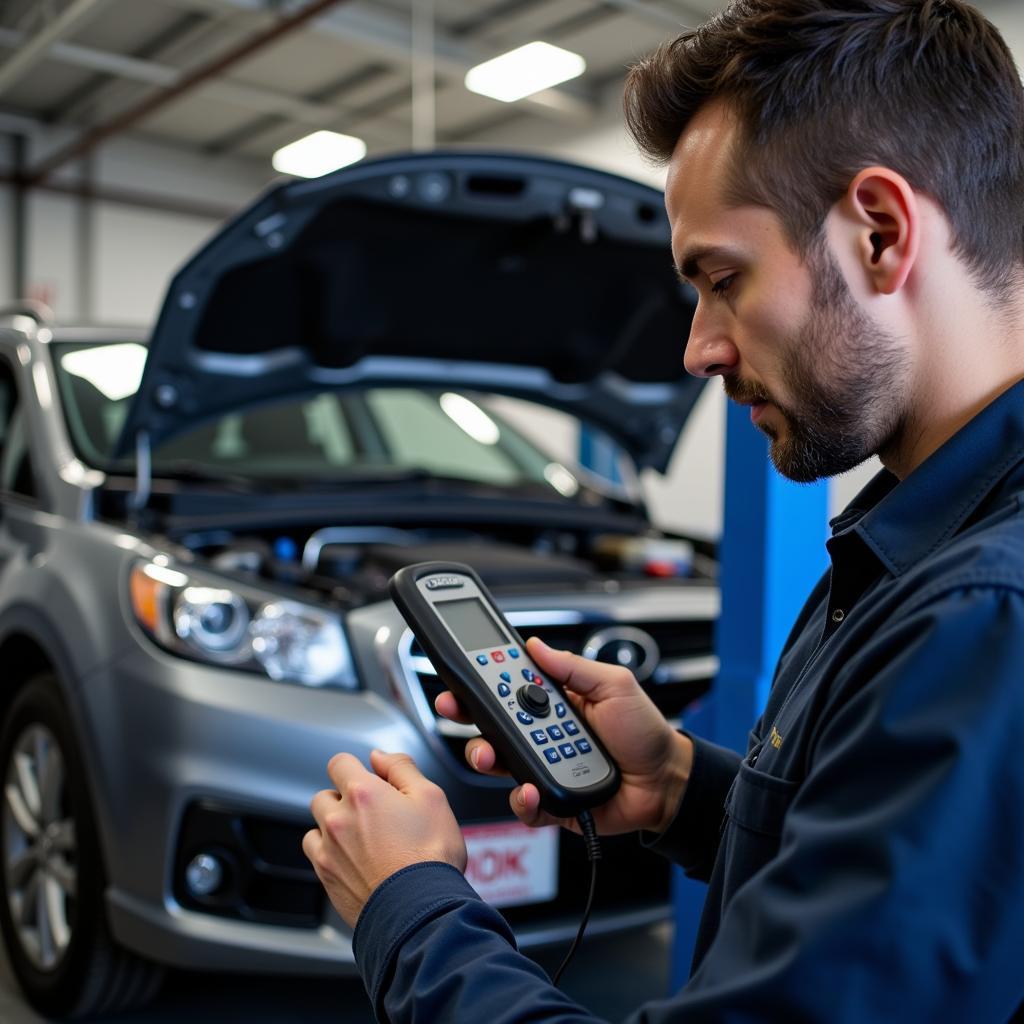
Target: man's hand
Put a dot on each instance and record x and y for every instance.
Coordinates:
(654, 759)
(371, 826)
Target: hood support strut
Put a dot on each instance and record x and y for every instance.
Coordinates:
(143, 472)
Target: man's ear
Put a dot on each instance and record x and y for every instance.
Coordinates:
(881, 211)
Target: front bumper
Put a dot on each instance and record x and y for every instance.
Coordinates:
(168, 735)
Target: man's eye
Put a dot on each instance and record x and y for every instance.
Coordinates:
(721, 287)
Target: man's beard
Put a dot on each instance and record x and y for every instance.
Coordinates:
(846, 378)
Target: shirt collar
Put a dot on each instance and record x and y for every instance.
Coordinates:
(903, 521)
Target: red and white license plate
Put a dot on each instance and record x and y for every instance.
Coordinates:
(510, 864)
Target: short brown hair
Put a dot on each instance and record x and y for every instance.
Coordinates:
(825, 88)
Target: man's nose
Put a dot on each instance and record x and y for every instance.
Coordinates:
(709, 352)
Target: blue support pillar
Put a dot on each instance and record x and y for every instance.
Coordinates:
(600, 454)
(772, 554)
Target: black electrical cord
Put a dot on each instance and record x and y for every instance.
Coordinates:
(593, 844)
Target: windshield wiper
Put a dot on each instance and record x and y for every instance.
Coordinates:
(187, 469)
(431, 481)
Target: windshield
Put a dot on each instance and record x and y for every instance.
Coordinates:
(366, 433)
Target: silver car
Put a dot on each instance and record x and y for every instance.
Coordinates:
(197, 530)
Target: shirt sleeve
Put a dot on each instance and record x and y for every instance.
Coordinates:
(898, 890)
(691, 839)
(430, 949)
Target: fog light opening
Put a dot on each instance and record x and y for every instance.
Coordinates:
(204, 875)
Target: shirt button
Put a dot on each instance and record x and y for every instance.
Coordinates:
(838, 615)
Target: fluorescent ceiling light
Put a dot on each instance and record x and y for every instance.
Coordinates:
(318, 154)
(471, 418)
(522, 72)
(114, 370)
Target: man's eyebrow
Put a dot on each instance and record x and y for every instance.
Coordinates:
(689, 263)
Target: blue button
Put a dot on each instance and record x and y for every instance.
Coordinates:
(555, 733)
(504, 689)
(572, 728)
(560, 711)
(583, 746)
(513, 653)
(528, 675)
(506, 677)
(539, 737)
(481, 659)
(568, 750)
(524, 718)
(552, 755)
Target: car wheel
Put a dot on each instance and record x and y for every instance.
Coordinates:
(51, 874)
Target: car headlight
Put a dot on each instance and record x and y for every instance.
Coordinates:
(202, 618)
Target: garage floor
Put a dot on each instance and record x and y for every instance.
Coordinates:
(610, 976)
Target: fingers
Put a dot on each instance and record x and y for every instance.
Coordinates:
(323, 804)
(448, 707)
(344, 769)
(525, 803)
(479, 753)
(397, 769)
(593, 680)
(312, 842)
(481, 756)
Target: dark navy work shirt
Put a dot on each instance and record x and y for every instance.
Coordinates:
(865, 859)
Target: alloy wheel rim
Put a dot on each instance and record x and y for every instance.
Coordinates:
(40, 852)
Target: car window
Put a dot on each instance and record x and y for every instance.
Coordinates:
(449, 435)
(286, 437)
(333, 434)
(16, 476)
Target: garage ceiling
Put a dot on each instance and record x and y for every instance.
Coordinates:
(241, 78)
(91, 65)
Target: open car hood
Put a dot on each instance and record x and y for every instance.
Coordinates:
(516, 275)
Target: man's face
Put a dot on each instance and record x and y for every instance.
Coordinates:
(825, 383)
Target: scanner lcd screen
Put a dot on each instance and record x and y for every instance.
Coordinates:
(471, 624)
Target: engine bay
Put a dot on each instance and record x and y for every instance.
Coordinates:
(352, 564)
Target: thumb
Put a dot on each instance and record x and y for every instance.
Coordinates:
(594, 680)
(398, 770)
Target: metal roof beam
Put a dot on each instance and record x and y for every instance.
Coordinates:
(154, 73)
(34, 49)
(189, 30)
(389, 35)
(672, 21)
(190, 80)
(247, 97)
(270, 121)
(98, 60)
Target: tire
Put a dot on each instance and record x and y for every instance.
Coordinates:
(51, 872)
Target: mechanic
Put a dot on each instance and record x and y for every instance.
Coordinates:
(846, 194)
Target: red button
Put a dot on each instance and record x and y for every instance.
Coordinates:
(537, 679)
(498, 655)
